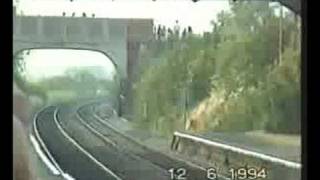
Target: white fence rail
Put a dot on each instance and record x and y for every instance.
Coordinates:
(219, 153)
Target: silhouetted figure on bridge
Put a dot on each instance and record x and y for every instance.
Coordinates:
(170, 37)
(84, 14)
(184, 33)
(154, 32)
(159, 32)
(64, 14)
(177, 29)
(190, 30)
(73, 14)
(93, 15)
(170, 32)
(163, 33)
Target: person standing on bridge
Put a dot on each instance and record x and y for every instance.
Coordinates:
(159, 32)
(190, 30)
(184, 33)
(163, 33)
(170, 32)
(170, 37)
(177, 29)
(155, 32)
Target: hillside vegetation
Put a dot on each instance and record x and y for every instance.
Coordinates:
(239, 77)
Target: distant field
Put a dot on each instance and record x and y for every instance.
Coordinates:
(61, 95)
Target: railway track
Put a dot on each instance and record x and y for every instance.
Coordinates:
(130, 146)
(69, 157)
(109, 154)
(119, 157)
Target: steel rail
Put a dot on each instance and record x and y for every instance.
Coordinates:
(76, 144)
(54, 167)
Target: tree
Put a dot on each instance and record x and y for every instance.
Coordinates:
(231, 75)
(20, 77)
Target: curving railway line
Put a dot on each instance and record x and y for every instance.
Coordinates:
(77, 143)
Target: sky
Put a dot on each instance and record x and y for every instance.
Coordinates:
(164, 12)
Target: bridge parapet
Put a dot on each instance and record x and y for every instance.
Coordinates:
(57, 29)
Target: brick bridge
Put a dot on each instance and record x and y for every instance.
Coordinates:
(120, 38)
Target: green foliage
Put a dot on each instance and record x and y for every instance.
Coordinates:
(237, 62)
(76, 84)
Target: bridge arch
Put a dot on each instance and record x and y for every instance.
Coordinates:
(111, 36)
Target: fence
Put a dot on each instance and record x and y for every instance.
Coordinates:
(224, 157)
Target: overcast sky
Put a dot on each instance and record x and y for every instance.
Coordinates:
(198, 15)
